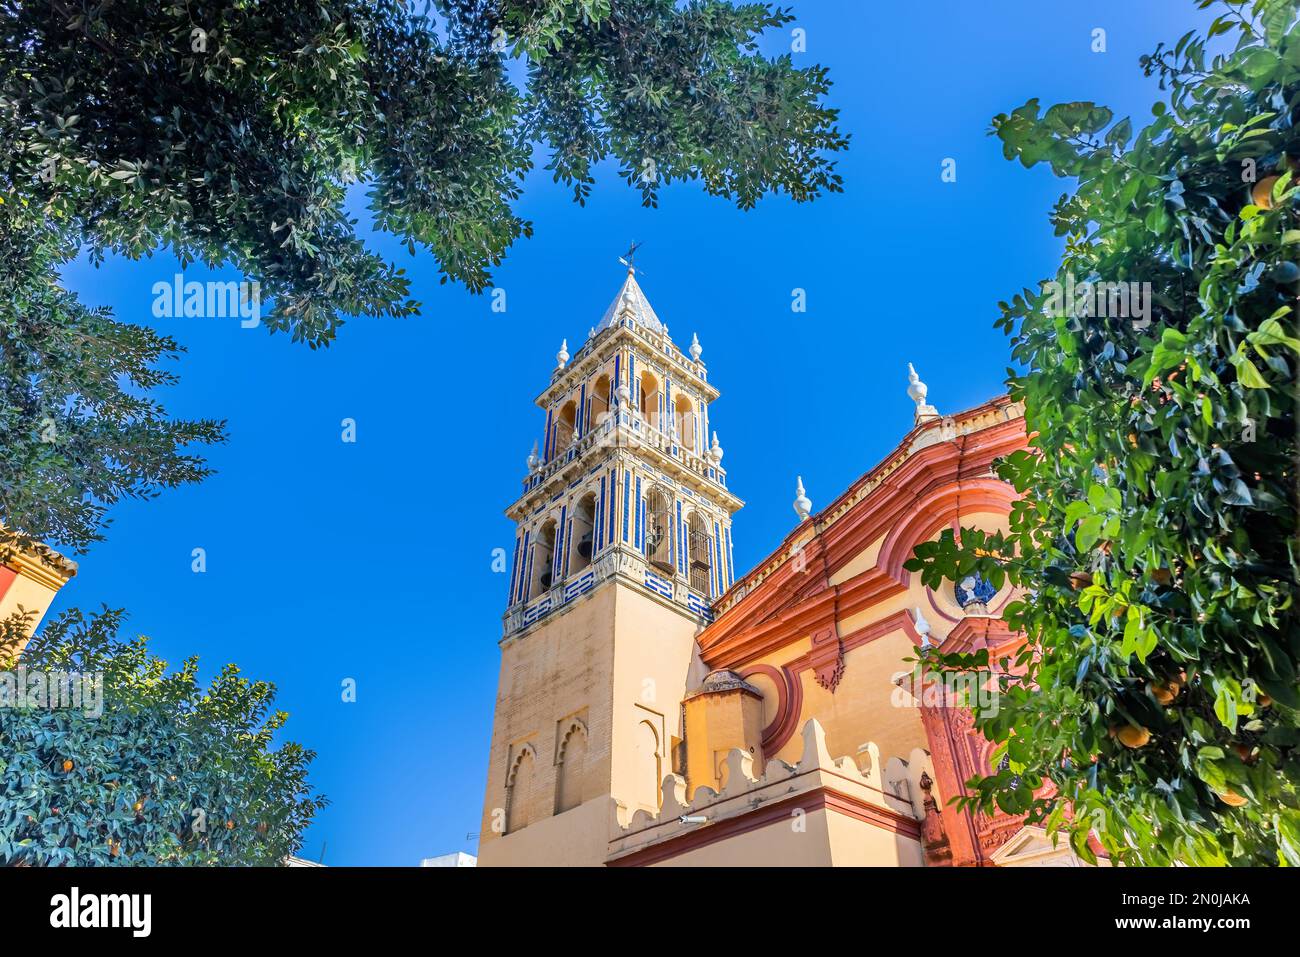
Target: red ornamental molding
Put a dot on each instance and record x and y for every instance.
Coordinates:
(941, 508)
(825, 659)
(789, 705)
(786, 599)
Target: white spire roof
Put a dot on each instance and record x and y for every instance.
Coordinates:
(630, 298)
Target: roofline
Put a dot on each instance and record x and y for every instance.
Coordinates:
(819, 519)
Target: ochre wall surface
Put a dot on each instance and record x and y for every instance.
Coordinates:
(620, 660)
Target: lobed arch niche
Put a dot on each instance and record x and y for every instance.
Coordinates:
(519, 789)
(571, 766)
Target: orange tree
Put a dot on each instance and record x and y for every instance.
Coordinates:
(156, 770)
(1155, 543)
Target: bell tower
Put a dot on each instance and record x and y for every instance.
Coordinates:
(623, 542)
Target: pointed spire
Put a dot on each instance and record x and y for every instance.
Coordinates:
(533, 460)
(802, 505)
(715, 452)
(696, 349)
(918, 390)
(562, 357)
(630, 303)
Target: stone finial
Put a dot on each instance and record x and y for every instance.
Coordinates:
(627, 308)
(815, 753)
(922, 628)
(918, 390)
(739, 770)
(802, 504)
(715, 452)
(533, 459)
(674, 802)
(695, 347)
(562, 357)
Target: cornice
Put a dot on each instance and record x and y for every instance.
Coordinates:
(931, 454)
(44, 566)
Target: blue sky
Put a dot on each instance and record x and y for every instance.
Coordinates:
(372, 560)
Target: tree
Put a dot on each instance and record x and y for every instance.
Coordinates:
(229, 133)
(1155, 701)
(169, 773)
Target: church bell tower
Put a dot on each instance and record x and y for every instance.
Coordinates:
(623, 542)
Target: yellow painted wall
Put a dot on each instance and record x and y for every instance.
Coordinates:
(624, 660)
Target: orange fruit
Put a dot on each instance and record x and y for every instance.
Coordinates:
(1132, 736)
(68, 765)
(1261, 194)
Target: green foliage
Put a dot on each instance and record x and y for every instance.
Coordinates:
(169, 773)
(78, 429)
(1156, 540)
(228, 133)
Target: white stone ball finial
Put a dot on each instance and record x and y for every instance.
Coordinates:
(918, 390)
(627, 306)
(922, 628)
(533, 460)
(696, 348)
(802, 504)
(715, 452)
(562, 357)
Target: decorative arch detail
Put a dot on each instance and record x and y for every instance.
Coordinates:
(573, 724)
(941, 508)
(571, 765)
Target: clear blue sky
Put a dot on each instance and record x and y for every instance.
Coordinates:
(372, 560)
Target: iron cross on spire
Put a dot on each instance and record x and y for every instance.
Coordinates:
(628, 259)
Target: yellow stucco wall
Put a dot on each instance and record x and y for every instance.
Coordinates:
(623, 661)
(716, 723)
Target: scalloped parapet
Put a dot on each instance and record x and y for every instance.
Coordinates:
(893, 787)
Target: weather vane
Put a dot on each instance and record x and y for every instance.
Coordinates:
(628, 259)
